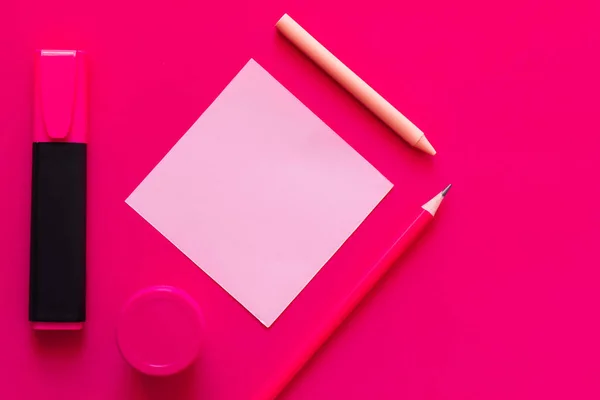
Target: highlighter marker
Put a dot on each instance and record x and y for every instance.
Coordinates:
(58, 203)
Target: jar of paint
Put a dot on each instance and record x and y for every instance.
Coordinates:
(159, 332)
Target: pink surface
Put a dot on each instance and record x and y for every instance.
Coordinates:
(259, 193)
(160, 330)
(499, 300)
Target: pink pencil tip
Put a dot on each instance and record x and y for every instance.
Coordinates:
(445, 191)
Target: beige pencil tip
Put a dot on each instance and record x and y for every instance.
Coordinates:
(424, 145)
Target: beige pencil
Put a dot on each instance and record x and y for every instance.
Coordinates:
(354, 84)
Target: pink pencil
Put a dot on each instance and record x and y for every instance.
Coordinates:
(410, 235)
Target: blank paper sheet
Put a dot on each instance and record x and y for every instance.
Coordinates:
(259, 193)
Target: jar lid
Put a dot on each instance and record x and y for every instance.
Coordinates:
(159, 332)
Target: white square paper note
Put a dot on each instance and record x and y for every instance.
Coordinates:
(259, 193)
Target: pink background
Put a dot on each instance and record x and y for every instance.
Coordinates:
(500, 300)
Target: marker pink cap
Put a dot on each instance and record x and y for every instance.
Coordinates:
(61, 97)
(160, 331)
